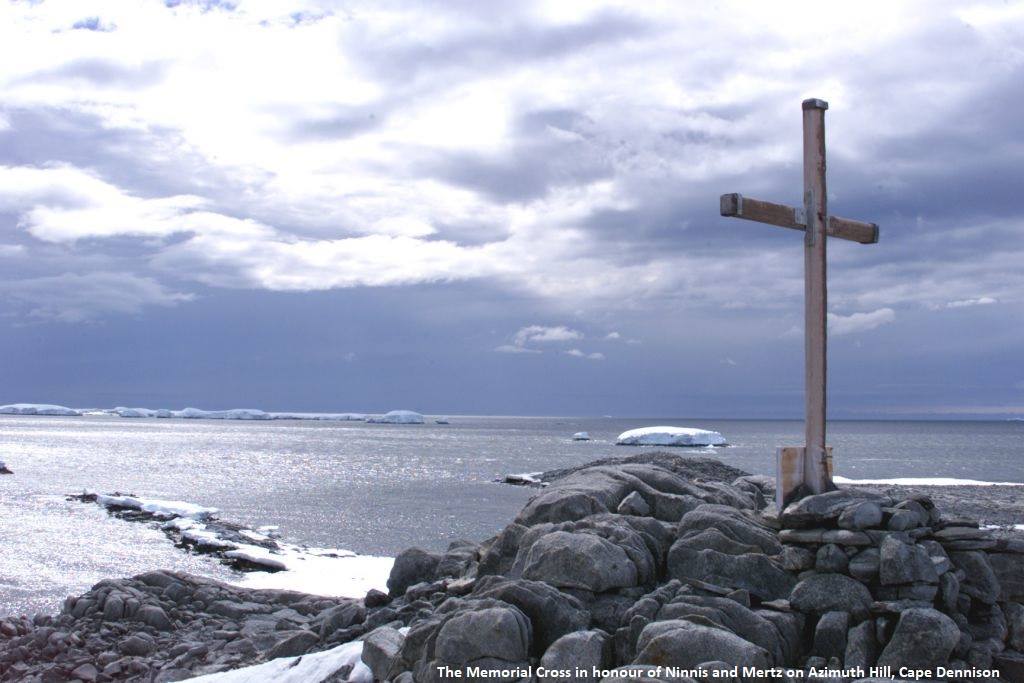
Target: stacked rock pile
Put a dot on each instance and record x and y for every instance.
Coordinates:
(613, 567)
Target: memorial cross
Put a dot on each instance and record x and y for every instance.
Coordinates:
(808, 470)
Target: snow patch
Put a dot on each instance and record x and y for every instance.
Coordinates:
(38, 409)
(926, 481)
(670, 436)
(156, 507)
(310, 668)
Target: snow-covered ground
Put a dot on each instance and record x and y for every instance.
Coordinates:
(311, 668)
(319, 571)
(37, 409)
(670, 436)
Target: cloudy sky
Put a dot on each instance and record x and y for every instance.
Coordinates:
(471, 207)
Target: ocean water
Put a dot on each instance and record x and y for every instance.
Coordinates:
(371, 488)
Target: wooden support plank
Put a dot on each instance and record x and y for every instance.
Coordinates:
(854, 231)
(735, 205)
(816, 476)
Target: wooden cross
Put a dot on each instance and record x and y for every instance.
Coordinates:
(808, 470)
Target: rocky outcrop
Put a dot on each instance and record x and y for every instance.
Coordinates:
(627, 566)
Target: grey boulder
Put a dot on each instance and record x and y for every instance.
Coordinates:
(924, 638)
(583, 561)
(687, 644)
(586, 650)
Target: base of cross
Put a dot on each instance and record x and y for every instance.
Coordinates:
(791, 474)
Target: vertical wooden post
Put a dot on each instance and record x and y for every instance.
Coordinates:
(816, 472)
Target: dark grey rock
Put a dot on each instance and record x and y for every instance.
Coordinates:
(859, 516)
(904, 563)
(796, 559)
(864, 565)
(552, 613)
(341, 617)
(824, 508)
(585, 561)
(823, 593)
(861, 646)
(585, 650)
(634, 504)
(1008, 569)
(489, 633)
(752, 572)
(381, 647)
(902, 520)
(412, 566)
(980, 581)
(924, 638)
(136, 645)
(292, 645)
(1015, 625)
(830, 635)
(831, 558)
(686, 644)
(154, 615)
(732, 523)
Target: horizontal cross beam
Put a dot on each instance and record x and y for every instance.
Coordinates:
(736, 205)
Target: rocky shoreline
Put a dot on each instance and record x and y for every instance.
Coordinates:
(658, 560)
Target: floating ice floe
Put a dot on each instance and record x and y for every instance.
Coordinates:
(523, 479)
(38, 409)
(405, 417)
(581, 436)
(670, 436)
(442, 421)
(925, 481)
(310, 668)
(267, 561)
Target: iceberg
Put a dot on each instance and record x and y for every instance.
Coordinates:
(38, 409)
(670, 436)
(133, 412)
(581, 436)
(397, 417)
(442, 421)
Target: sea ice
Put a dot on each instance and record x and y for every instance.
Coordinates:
(311, 668)
(37, 409)
(670, 436)
(405, 417)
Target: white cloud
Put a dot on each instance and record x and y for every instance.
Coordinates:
(964, 303)
(613, 336)
(76, 298)
(542, 334)
(512, 348)
(582, 354)
(729, 361)
(839, 325)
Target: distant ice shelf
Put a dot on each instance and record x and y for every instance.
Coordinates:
(37, 409)
(393, 417)
(670, 436)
